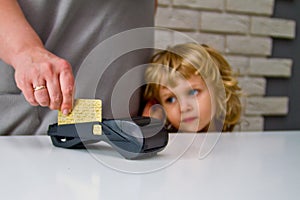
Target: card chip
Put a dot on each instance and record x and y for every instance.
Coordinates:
(97, 129)
(84, 110)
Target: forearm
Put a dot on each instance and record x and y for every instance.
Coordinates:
(16, 34)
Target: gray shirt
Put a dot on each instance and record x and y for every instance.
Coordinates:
(71, 29)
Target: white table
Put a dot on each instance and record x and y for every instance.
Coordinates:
(241, 166)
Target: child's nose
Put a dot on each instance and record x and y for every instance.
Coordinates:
(185, 105)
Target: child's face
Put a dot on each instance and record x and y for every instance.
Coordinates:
(188, 104)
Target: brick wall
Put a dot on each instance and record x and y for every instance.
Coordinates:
(243, 31)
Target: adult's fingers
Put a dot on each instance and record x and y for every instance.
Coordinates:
(28, 93)
(37, 67)
(55, 93)
(67, 88)
(42, 97)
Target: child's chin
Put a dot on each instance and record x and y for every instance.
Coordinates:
(188, 130)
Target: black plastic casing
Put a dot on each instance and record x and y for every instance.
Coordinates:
(134, 138)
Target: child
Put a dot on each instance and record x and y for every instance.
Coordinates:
(195, 86)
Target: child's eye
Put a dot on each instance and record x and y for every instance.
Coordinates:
(193, 92)
(170, 100)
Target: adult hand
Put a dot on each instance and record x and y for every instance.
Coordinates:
(44, 79)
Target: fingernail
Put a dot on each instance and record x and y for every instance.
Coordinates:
(66, 112)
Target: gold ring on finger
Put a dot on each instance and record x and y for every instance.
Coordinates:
(40, 87)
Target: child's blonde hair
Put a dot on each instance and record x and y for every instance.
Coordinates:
(194, 59)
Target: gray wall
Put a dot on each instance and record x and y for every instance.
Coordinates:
(288, 9)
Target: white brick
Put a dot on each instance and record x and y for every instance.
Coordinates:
(262, 7)
(253, 86)
(164, 2)
(166, 37)
(184, 37)
(213, 40)
(270, 67)
(177, 18)
(163, 38)
(239, 64)
(201, 4)
(267, 106)
(224, 23)
(279, 28)
(261, 46)
(251, 124)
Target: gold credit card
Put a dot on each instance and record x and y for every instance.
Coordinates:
(84, 110)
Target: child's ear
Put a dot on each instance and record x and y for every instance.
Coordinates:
(147, 108)
(155, 110)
